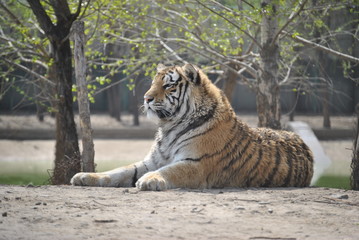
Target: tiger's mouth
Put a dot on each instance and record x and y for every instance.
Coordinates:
(157, 110)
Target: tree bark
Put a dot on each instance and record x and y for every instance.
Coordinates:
(230, 81)
(354, 179)
(114, 102)
(326, 107)
(67, 155)
(88, 152)
(135, 108)
(267, 95)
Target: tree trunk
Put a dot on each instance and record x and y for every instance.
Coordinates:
(114, 102)
(67, 155)
(326, 107)
(88, 151)
(230, 82)
(268, 95)
(354, 179)
(40, 108)
(135, 108)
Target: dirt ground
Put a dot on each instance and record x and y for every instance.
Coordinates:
(66, 212)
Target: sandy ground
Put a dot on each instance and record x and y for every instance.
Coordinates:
(66, 212)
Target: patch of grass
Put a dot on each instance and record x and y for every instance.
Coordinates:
(24, 179)
(342, 182)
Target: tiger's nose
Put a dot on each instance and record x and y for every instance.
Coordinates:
(148, 99)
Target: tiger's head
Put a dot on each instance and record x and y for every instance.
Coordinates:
(171, 93)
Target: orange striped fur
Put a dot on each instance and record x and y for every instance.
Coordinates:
(202, 144)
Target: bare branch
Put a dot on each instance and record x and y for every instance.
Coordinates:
(12, 16)
(325, 49)
(30, 71)
(234, 12)
(170, 49)
(78, 11)
(231, 22)
(247, 67)
(292, 16)
(18, 22)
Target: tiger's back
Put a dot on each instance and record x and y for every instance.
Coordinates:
(261, 157)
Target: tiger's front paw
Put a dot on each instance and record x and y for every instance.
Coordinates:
(91, 179)
(152, 181)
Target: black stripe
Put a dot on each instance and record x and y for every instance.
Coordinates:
(203, 133)
(244, 162)
(170, 99)
(255, 166)
(228, 147)
(304, 172)
(289, 160)
(240, 154)
(221, 150)
(194, 159)
(237, 171)
(170, 76)
(181, 97)
(144, 164)
(270, 178)
(308, 161)
(197, 123)
(134, 178)
(306, 151)
(300, 170)
(309, 172)
(180, 93)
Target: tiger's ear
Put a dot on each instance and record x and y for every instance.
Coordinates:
(160, 67)
(192, 73)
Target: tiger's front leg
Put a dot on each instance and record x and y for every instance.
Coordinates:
(183, 174)
(119, 177)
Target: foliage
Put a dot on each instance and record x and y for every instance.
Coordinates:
(126, 39)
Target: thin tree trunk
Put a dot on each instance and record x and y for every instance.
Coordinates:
(229, 82)
(326, 107)
(114, 102)
(88, 151)
(267, 95)
(135, 108)
(40, 109)
(354, 179)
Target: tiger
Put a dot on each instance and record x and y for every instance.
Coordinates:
(201, 143)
